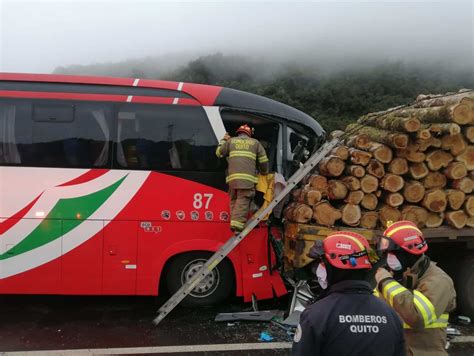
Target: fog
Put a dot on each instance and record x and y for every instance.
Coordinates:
(39, 36)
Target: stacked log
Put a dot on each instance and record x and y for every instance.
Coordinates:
(414, 163)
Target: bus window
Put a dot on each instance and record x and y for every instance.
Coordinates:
(8, 147)
(166, 138)
(51, 134)
(298, 146)
(266, 131)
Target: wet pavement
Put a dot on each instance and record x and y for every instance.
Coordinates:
(48, 323)
(59, 323)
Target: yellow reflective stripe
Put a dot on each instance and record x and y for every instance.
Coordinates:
(391, 232)
(376, 292)
(425, 307)
(242, 176)
(243, 154)
(357, 242)
(263, 158)
(391, 290)
(237, 223)
(218, 152)
(442, 322)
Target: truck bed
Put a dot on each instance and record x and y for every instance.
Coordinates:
(299, 238)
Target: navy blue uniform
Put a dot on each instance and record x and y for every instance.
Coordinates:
(350, 320)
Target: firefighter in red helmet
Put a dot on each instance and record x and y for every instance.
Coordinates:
(245, 157)
(419, 291)
(349, 319)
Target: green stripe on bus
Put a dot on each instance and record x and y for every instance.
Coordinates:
(47, 231)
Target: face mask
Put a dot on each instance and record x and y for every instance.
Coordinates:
(322, 276)
(393, 262)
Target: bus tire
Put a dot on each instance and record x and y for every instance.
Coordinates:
(215, 288)
(465, 286)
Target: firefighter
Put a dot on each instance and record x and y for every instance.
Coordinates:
(419, 291)
(349, 319)
(244, 154)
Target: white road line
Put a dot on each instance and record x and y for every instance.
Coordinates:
(159, 349)
(462, 339)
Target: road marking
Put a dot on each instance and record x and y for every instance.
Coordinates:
(462, 339)
(159, 349)
(177, 349)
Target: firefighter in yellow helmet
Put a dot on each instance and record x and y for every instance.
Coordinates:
(419, 291)
(245, 156)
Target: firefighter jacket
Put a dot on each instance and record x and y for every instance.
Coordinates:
(243, 153)
(349, 320)
(424, 309)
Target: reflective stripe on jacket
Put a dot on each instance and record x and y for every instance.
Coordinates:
(424, 310)
(243, 154)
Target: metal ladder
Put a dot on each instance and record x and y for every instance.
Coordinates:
(190, 284)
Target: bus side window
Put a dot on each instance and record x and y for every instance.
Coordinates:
(165, 138)
(52, 134)
(9, 153)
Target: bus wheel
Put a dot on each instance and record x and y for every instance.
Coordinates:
(465, 286)
(215, 288)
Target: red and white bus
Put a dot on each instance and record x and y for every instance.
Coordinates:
(111, 186)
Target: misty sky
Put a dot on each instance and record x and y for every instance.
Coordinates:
(38, 36)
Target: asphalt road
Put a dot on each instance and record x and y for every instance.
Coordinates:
(38, 323)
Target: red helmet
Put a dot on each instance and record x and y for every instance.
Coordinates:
(246, 129)
(403, 234)
(343, 250)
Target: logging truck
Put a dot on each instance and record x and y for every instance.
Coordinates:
(414, 162)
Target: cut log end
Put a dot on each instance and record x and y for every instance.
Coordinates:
(416, 214)
(369, 183)
(413, 191)
(354, 197)
(389, 215)
(435, 200)
(369, 201)
(325, 214)
(457, 219)
(331, 166)
(398, 166)
(392, 183)
(434, 220)
(351, 214)
(299, 213)
(369, 220)
(394, 199)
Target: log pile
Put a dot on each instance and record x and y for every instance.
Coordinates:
(414, 163)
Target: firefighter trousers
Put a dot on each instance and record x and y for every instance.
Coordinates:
(240, 200)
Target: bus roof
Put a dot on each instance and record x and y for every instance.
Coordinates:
(206, 95)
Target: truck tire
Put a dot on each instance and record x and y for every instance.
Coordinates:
(215, 288)
(465, 287)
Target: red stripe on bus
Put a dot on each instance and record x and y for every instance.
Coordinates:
(11, 221)
(86, 177)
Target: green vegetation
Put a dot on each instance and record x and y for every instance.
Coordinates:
(334, 98)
